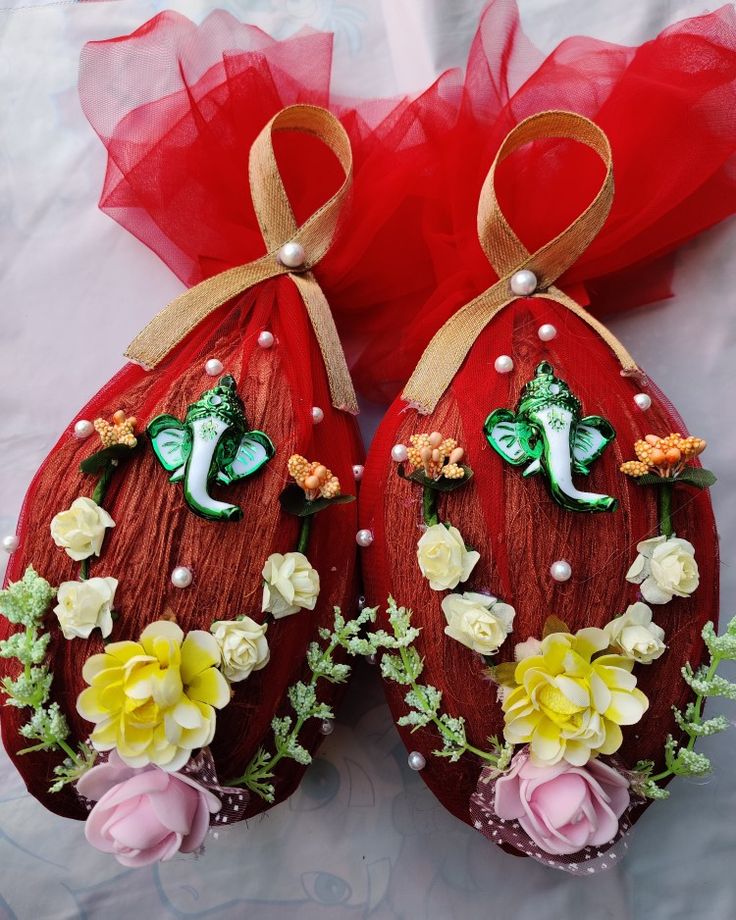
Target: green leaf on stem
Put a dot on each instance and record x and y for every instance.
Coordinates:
(438, 485)
(107, 457)
(294, 501)
(692, 476)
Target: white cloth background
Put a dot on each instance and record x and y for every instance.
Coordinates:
(362, 837)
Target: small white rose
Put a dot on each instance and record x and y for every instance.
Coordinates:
(443, 558)
(527, 649)
(243, 646)
(84, 605)
(665, 567)
(635, 636)
(478, 621)
(290, 584)
(81, 529)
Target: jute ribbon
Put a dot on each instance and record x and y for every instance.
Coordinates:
(508, 255)
(278, 226)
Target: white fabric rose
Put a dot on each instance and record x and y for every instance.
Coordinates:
(665, 567)
(290, 584)
(81, 529)
(635, 635)
(527, 649)
(243, 646)
(84, 605)
(478, 621)
(443, 558)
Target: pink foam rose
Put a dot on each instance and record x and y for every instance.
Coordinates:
(563, 808)
(144, 814)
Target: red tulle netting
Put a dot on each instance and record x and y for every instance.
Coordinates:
(177, 106)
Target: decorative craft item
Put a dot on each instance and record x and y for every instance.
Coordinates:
(145, 650)
(542, 698)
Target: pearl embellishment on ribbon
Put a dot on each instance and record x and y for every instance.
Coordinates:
(416, 761)
(292, 255)
(523, 283)
(399, 453)
(364, 538)
(547, 332)
(266, 339)
(561, 570)
(11, 543)
(213, 367)
(358, 470)
(326, 727)
(504, 364)
(317, 415)
(643, 401)
(181, 577)
(83, 429)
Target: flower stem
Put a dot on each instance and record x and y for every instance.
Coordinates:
(69, 752)
(429, 506)
(665, 510)
(443, 729)
(697, 712)
(304, 530)
(104, 481)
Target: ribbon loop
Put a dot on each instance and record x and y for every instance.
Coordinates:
(507, 254)
(278, 226)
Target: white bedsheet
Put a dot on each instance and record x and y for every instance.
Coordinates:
(362, 837)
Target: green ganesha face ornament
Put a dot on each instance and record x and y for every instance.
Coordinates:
(548, 433)
(211, 445)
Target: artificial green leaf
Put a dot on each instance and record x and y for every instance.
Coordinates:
(294, 501)
(438, 485)
(692, 476)
(109, 456)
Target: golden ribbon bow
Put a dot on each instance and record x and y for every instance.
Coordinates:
(508, 255)
(279, 227)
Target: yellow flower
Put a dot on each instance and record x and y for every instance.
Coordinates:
(567, 707)
(154, 700)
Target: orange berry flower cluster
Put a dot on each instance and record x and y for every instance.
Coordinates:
(436, 455)
(313, 477)
(122, 430)
(666, 457)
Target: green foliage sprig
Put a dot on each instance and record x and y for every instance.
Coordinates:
(24, 603)
(402, 663)
(681, 759)
(259, 773)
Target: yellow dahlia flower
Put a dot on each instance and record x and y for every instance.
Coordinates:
(567, 707)
(154, 700)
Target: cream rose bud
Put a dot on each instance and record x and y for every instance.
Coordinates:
(290, 584)
(84, 605)
(243, 646)
(665, 567)
(479, 621)
(635, 635)
(443, 558)
(81, 529)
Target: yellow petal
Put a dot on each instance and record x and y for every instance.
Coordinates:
(210, 687)
(199, 652)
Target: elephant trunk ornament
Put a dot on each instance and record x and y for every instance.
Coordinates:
(548, 433)
(212, 445)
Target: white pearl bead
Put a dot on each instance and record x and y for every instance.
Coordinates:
(371, 659)
(643, 401)
(416, 761)
(83, 429)
(317, 415)
(560, 570)
(358, 470)
(364, 537)
(523, 283)
(213, 367)
(504, 364)
(266, 339)
(546, 332)
(399, 453)
(181, 577)
(326, 727)
(292, 255)
(10, 543)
